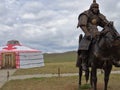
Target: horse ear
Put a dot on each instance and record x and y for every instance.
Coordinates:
(81, 36)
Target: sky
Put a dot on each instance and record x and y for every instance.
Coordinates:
(49, 25)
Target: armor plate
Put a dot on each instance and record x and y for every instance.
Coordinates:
(84, 44)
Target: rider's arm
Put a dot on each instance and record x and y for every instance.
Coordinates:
(103, 21)
(82, 23)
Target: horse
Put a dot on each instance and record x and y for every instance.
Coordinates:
(101, 57)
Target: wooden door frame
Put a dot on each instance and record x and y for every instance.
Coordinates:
(8, 58)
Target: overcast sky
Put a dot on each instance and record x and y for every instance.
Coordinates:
(49, 25)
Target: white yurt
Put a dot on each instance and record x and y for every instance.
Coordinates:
(15, 55)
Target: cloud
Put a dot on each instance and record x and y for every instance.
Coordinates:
(47, 25)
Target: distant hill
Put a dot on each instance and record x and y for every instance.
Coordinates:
(60, 57)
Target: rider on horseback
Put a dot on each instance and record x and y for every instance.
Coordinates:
(88, 22)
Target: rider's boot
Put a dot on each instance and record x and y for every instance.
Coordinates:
(78, 61)
(83, 59)
(84, 65)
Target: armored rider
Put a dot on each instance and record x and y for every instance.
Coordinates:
(88, 22)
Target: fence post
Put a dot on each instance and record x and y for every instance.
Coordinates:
(59, 72)
(8, 75)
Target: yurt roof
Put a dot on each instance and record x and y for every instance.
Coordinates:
(14, 45)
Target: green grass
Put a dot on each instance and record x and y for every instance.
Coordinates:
(66, 67)
(55, 83)
(65, 61)
(62, 83)
(60, 57)
(85, 86)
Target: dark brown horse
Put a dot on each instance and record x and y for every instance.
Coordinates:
(102, 55)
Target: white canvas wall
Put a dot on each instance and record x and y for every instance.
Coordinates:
(31, 59)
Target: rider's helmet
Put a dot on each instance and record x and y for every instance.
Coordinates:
(94, 7)
(94, 4)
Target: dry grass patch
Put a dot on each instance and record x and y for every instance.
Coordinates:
(56, 83)
(116, 68)
(65, 67)
(67, 83)
(65, 61)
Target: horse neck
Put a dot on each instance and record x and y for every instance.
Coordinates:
(116, 48)
(110, 46)
(103, 43)
(116, 43)
(102, 47)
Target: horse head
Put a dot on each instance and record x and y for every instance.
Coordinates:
(109, 37)
(105, 44)
(109, 44)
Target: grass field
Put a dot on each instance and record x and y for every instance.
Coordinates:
(65, 61)
(56, 83)
(66, 67)
(60, 57)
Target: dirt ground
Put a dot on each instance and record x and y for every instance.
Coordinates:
(4, 75)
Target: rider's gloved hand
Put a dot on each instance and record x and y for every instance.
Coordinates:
(104, 31)
(98, 33)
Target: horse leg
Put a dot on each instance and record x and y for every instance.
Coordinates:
(106, 76)
(91, 79)
(87, 75)
(80, 75)
(94, 78)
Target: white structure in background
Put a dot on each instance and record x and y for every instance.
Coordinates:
(15, 55)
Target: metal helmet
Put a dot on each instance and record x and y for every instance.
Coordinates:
(94, 4)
